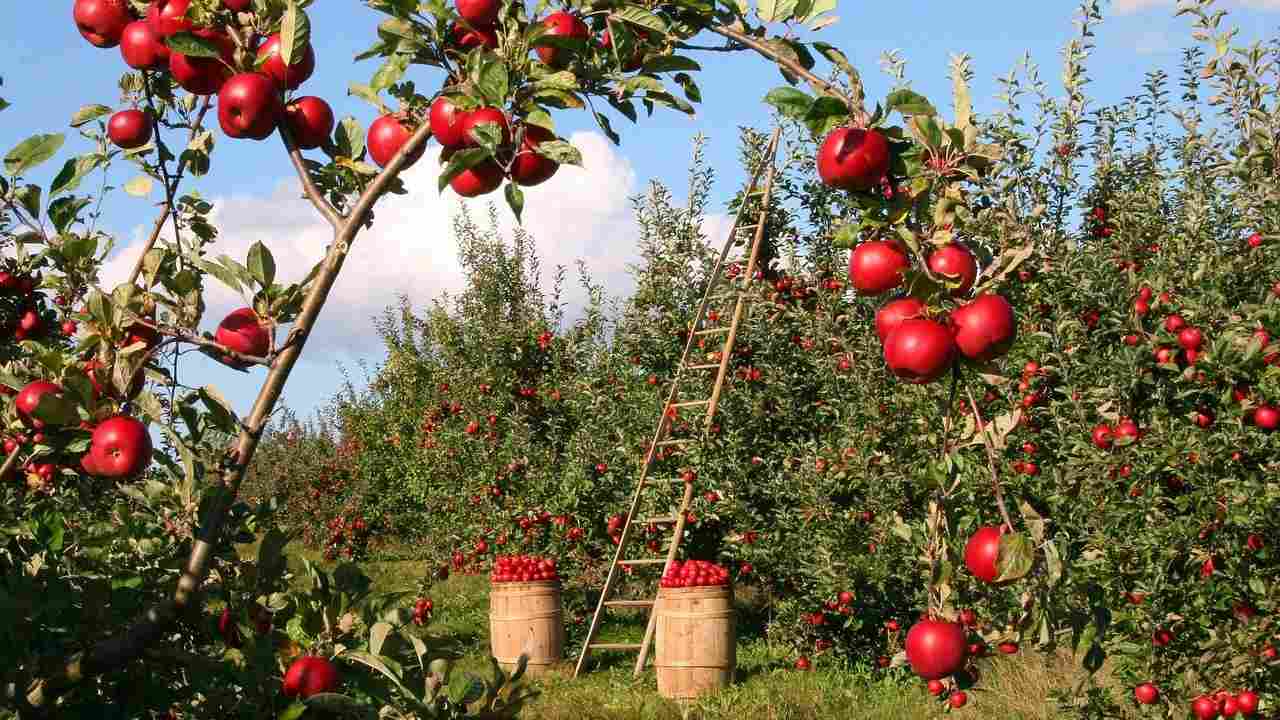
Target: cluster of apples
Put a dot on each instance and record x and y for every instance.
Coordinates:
(422, 609)
(248, 77)
(28, 322)
(524, 568)
(694, 573)
(917, 348)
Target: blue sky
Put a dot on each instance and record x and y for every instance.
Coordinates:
(49, 72)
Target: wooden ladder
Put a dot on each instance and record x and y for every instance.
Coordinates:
(719, 288)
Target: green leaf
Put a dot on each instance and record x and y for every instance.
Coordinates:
(790, 102)
(909, 102)
(670, 63)
(32, 152)
(294, 711)
(140, 186)
(262, 266)
(295, 34)
(515, 199)
(88, 113)
(187, 44)
(560, 151)
(389, 73)
(28, 196)
(493, 81)
(72, 172)
(776, 10)
(55, 410)
(349, 138)
(64, 211)
(219, 409)
(826, 114)
(637, 15)
(1016, 558)
(378, 636)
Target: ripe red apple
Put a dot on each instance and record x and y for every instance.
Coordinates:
(271, 64)
(237, 5)
(1247, 702)
(387, 135)
(446, 121)
(101, 22)
(142, 48)
(201, 75)
(1228, 707)
(958, 699)
(1266, 417)
(168, 17)
(936, 648)
(984, 328)
(876, 267)
(1203, 419)
(895, 312)
(919, 351)
(29, 399)
(248, 106)
(310, 675)
(982, 553)
(129, 129)
(480, 13)
(1205, 707)
(475, 37)
(1141, 307)
(1174, 323)
(1128, 428)
(936, 687)
(1190, 338)
(955, 263)
(803, 664)
(480, 179)
(1008, 648)
(121, 447)
(1146, 694)
(529, 168)
(561, 25)
(481, 116)
(310, 121)
(1102, 436)
(853, 159)
(243, 331)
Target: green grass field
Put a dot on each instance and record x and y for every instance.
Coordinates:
(1014, 688)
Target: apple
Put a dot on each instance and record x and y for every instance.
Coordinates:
(475, 37)
(480, 13)
(248, 106)
(310, 121)
(1203, 418)
(271, 64)
(1247, 702)
(446, 122)
(1146, 694)
(481, 116)
(129, 129)
(529, 168)
(1102, 436)
(1190, 338)
(895, 312)
(984, 328)
(802, 664)
(120, 447)
(876, 267)
(1141, 307)
(1128, 428)
(1174, 323)
(561, 25)
(958, 699)
(201, 75)
(310, 675)
(142, 48)
(29, 399)
(919, 351)
(936, 687)
(101, 22)
(168, 17)
(237, 5)
(1008, 648)
(1266, 417)
(244, 332)
(479, 179)
(1161, 637)
(955, 263)
(853, 159)
(1228, 707)
(386, 136)
(936, 648)
(982, 553)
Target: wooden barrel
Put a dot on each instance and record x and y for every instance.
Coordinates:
(525, 617)
(696, 640)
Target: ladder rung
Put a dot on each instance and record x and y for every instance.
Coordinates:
(712, 331)
(659, 520)
(675, 481)
(706, 366)
(614, 646)
(629, 603)
(643, 561)
(690, 403)
(677, 441)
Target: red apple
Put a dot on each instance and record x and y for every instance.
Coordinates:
(129, 129)
(529, 168)
(936, 648)
(244, 332)
(248, 106)
(1266, 417)
(480, 179)
(29, 399)
(121, 447)
(982, 553)
(168, 17)
(1190, 338)
(1174, 323)
(876, 267)
(561, 25)
(895, 312)
(919, 351)
(142, 48)
(101, 22)
(984, 328)
(201, 75)
(310, 121)
(1228, 707)
(936, 687)
(853, 159)
(802, 664)
(310, 675)
(387, 135)
(271, 64)
(1102, 436)
(1146, 694)
(958, 699)
(954, 262)
(1128, 428)
(475, 37)
(446, 122)
(237, 5)
(479, 13)
(1247, 702)
(481, 116)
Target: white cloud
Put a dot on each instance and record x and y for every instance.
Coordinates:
(1126, 7)
(580, 213)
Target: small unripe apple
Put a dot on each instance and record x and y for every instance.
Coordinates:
(129, 129)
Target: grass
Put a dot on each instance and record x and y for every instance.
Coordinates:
(1014, 688)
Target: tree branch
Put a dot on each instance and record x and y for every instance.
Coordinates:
(9, 463)
(856, 102)
(991, 460)
(308, 184)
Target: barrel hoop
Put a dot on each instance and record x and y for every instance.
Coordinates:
(692, 666)
(515, 660)
(696, 615)
(536, 616)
